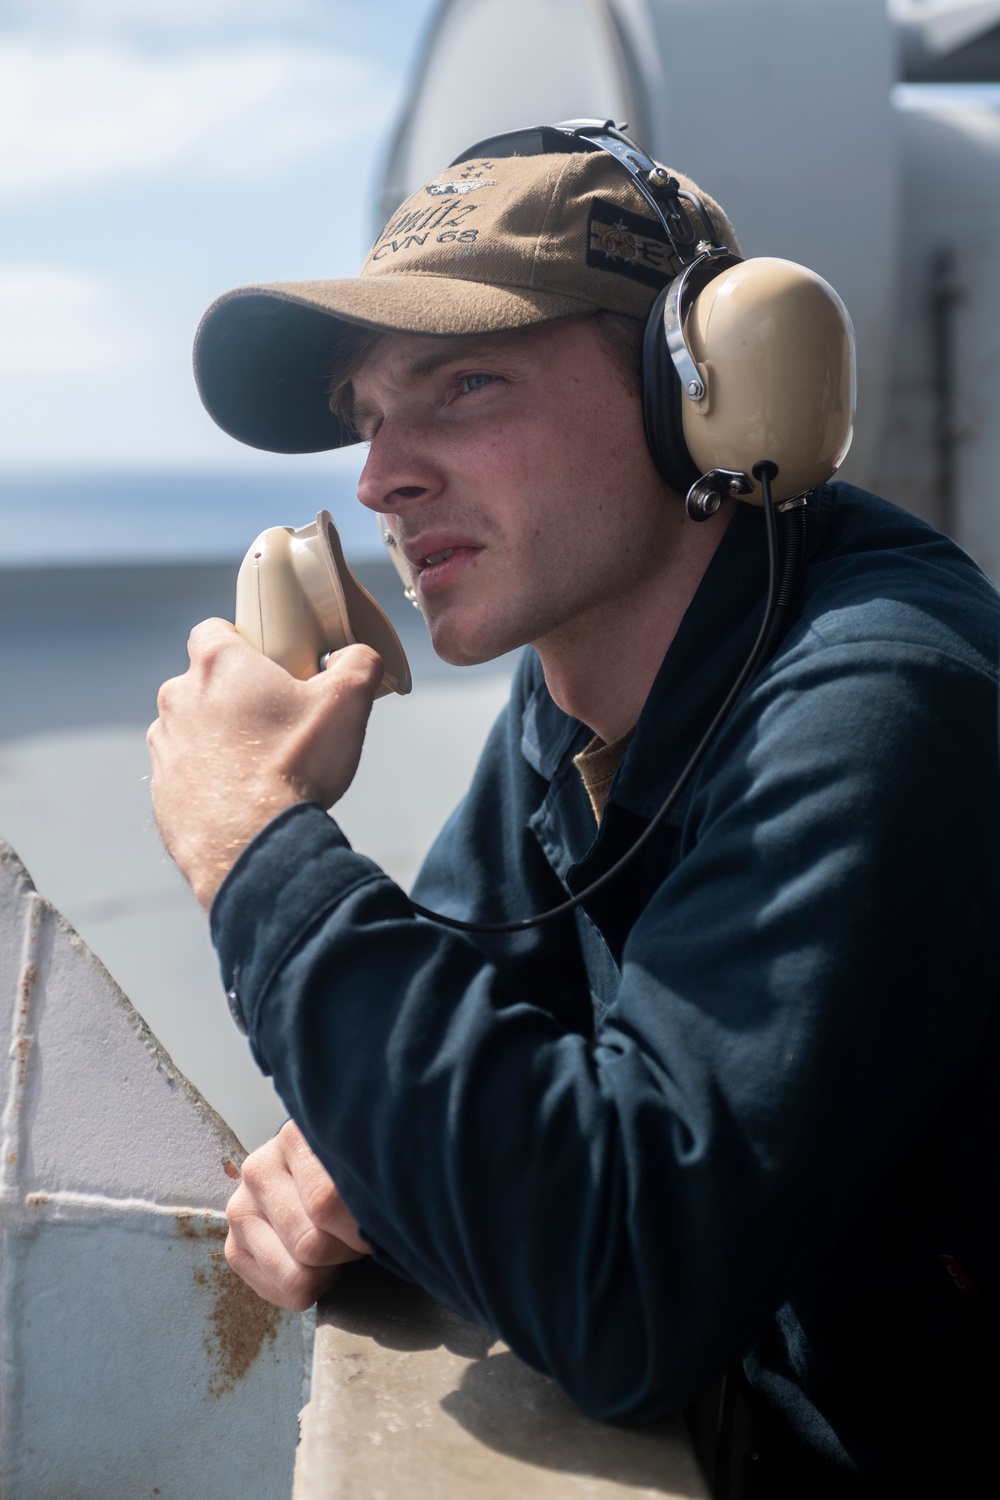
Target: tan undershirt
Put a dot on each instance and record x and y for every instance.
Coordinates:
(597, 764)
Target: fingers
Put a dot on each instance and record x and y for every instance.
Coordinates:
(275, 1277)
(256, 1252)
(356, 667)
(315, 1191)
(239, 740)
(320, 752)
(289, 1230)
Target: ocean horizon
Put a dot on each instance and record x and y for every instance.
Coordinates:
(168, 515)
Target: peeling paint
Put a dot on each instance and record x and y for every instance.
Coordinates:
(231, 1170)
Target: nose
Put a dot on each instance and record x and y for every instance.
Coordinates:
(398, 472)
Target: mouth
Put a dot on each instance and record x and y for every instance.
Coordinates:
(435, 568)
(433, 558)
(434, 547)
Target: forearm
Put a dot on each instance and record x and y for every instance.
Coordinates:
(468, 1132)
(490, 1154)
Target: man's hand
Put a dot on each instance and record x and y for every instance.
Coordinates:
(289, 1229)
(238, 740)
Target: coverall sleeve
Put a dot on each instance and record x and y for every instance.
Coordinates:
(812, 978)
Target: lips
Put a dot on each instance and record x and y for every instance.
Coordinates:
(438, 560)
(432, 548)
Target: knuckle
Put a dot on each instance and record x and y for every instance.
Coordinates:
(206, 640)
(320, 1201)
(312, 1249)
(255, 1174)
(301, 1290)
(236, 1210)
(239, 1260)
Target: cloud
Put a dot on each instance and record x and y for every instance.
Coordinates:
(170, 16)
(59, 321)
(95, 371)
(89, 114)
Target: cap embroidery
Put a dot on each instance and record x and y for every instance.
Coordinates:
(468, 181)
(628, 244)
(412, 228)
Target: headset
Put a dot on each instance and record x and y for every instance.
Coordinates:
(749, 392)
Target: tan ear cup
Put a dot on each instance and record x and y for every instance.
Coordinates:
(297, 600)
(774, 346)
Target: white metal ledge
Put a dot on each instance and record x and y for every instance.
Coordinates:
(409, 1402)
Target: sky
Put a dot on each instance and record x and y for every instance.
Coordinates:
(153, 154)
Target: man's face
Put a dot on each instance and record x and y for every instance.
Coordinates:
(515, 477)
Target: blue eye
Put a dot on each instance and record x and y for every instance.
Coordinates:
(476, 382)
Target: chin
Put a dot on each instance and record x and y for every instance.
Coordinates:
(469, 643)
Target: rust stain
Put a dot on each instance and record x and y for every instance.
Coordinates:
(22, 1047)
(29, 978)
(37, 1200)
(240, 1324)
(187, 1226)
(195, 1226)
(11, 1158)
(231, 1169)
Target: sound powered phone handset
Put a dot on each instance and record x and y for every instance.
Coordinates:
(297, 601)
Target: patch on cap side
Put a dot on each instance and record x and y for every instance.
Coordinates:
(629, 244)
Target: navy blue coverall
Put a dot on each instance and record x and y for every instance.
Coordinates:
(745, 1102)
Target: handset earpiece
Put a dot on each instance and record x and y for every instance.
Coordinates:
(297, 601)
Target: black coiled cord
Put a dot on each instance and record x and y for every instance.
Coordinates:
(784, 576)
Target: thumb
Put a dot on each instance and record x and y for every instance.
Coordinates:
(353, 667)
(322, 756)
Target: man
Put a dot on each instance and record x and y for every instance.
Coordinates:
(740, 1105)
